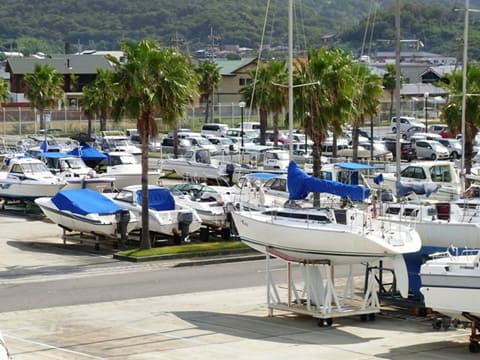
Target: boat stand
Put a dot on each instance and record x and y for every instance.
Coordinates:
(87, 238)
(316, 294)
(474, 345)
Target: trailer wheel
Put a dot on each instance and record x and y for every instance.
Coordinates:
(204, 234)
(474, 347)
(371, 317)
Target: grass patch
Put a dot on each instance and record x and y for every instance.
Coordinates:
(186, 248)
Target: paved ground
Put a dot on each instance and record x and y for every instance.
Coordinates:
(230, 324)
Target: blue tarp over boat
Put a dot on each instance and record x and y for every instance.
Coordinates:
(300, 185)
(159, 199)
(84, 201)
(418, 188)
(88, 153)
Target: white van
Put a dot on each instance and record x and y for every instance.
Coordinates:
(215, 129)
(249, 125)
(405, 123)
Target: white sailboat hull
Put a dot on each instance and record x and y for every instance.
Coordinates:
(310, 240)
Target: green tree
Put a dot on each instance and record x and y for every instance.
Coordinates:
(98, 97)
(44, 88)
(389, 84)
(368, 92)
(326, 97)
(4, 92)
(452, 113)
(267, 94)
(209, 74)
(154, 79)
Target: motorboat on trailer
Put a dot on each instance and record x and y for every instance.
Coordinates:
(27, 178)
(451, 286)
(196, 164)
(166, 216)
(88, 211)
(75, 172)
(342, 236)
(123, 166)
(207, 201)
(433, 173)
(451, 282)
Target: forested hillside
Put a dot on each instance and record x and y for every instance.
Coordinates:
(47, 25)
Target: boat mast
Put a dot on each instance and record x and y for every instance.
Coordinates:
(397, 86)
(464, 94)
(290, 78)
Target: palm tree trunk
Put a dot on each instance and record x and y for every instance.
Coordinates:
(317, 165)
(391, 105)
(145, 237)
(275, 128)
(263, 125)
(207, 108)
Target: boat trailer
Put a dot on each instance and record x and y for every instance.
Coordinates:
(315, 293)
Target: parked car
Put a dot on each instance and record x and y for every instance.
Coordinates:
(454, 147)
(223, 144)
(412, 131)
(405, 123)
(431, 149)
(183, 145)
(407, 150)
(215, 129)
(201, 142)
(437, 128)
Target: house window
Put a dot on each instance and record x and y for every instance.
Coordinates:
(244, 82)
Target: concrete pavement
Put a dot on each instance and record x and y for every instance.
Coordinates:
(229, 324)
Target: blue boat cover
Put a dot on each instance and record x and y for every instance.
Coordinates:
(418, 188)
(159, 199)
(85, 201)
(300, 185)
(354, 166)
(260, 175)
(54, 155)
(88, 153)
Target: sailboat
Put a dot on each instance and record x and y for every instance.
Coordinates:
(342, 236)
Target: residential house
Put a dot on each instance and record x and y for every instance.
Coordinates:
(77, 70)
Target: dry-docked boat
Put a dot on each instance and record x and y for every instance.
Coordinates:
(87, 211)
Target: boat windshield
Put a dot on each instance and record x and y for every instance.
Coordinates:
(75, 163)
(34, 168)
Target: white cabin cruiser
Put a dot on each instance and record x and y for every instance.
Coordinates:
(126, 170)
(451, 283)
(88, 211)
(166, 216)
(27, 179)
(75, 172)
(435, 173)
(196, 164)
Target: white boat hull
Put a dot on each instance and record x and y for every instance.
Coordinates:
(451, 285)
(341, 244)
(186, 168)
(24, 190)
(105, 225)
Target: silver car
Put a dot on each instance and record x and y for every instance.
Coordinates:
(454, 147)
(431, 149)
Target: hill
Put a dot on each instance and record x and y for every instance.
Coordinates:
(193, 24)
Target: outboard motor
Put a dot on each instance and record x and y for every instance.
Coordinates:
(123, 218)
(184, 221)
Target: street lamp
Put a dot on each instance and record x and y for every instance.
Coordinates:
(426, 110)
(241, 104)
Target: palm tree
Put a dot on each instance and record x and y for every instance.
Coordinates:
(452, 113)
(153, 80)
(209, 73)
(44, 88)
(266, 93)
(389, 84)
(366, 99)
(328, 101)
(98, 97)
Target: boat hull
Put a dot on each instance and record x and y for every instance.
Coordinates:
(451, 285)
(341, 244)
(105, 225)
(22, 190)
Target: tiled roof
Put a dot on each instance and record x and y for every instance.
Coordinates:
(230, 67)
